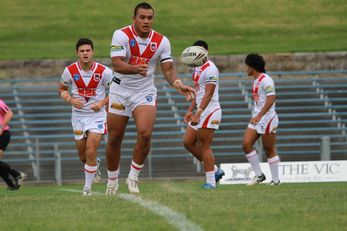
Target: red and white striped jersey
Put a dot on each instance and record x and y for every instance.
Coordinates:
(262, 86)
(136, 50)
(89, 87)
(206, 74)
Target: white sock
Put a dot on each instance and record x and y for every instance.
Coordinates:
(253, 159)
(89, 173)
(135, 170)
(112, 177)
(274, 163)
(210, 178)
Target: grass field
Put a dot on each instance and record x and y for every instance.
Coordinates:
(39, 29)
(177, 205)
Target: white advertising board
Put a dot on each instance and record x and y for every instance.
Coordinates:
(290, 172)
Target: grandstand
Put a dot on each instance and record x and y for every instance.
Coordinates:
(312, 108)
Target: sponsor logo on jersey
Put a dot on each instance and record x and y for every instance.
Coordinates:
(215, 122)
(153, 46)
(78, 132)
(269, 89)
(76, 77)
(116, 48)
(97, 77)
(132, 42)
(117, 106)
(149, 98)
(211, 79)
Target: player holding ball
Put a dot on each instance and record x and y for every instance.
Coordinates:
(204, 114)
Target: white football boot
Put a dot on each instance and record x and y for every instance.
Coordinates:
(256, 180)
(132, 185)
(86, 191)
(112, 189)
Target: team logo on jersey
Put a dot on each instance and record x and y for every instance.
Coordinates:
(76, 77)
(149, 98)
(97, 77)
(153, 46)
(100, 126)
(132, 42)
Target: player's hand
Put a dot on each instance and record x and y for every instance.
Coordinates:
(96, 106)
(187, 116)
(1, 131)
(187, 91)
(195, 119)
(142, 69)
(76, 103)
(255, 120)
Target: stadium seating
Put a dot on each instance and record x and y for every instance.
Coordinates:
(311, 105)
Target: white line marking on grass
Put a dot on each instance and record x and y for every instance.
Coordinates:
(174, 218)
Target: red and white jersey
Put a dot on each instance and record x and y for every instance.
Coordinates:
(136, 50)
(206, 74)
(89, 87)
(3, 110)
(262, 86)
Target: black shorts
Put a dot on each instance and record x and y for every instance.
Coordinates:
(4, 140)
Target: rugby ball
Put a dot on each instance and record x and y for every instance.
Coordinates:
(194, 56)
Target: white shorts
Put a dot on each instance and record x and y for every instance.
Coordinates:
(125, 103)
(95, 123)
(210, 118)
(267, 125)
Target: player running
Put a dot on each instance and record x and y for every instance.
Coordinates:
(88, 81)
(135, 51)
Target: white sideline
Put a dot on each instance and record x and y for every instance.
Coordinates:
(174, 218)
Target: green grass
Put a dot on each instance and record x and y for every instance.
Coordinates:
(39, 29)
(314, 206)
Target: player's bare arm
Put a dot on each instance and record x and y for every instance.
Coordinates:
(64, 94)
(170, 75)
(119, 65)
(270, 100)
(189, 113)
(209, 90)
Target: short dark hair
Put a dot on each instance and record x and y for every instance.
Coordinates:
(201, 43)
(143, 5)
(84, 41)
(256, 61)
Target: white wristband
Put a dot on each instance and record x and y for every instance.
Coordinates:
(177, 84)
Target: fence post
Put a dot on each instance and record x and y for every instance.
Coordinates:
(325, 148)
(259, 149)
(150, 169)
(197, 164)
(37, 155)
(57, 154)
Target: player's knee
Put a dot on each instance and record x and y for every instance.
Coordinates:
(144, 136)
(246, 147)
(188, 144)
